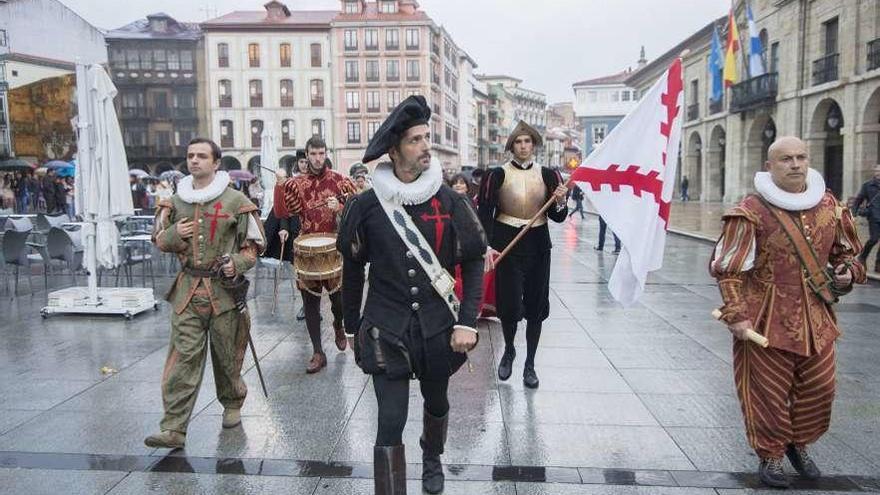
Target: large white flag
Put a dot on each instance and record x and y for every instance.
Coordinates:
(630, 179)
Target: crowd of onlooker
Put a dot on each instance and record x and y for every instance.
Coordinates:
(27, 192)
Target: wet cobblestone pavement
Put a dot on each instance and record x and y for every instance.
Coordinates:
(632, 401)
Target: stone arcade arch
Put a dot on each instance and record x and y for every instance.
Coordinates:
(826, 143)
(717, 161)
(761, 135)
(693, 166)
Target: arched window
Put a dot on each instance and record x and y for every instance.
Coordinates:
(288, 134)
(256, 133)
(286, 55)
(224, 93)
(227, 140)
(317, 92)
(286, 93)
(255, 90)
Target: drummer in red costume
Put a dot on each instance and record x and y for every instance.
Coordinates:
(317, 197)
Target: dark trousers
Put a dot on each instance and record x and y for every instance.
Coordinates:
(579, 207)
(873, 239)
(312, 309)
(602, 227)
(522, 287)
(393, 398)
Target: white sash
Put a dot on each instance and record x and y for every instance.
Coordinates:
(441, 280)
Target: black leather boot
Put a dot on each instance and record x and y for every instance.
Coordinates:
(433, 440)
(505, 367)
(530, 378)
(771, 473)
(389, 470)
(802, 462)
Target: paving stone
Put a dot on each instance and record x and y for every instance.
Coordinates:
(210, 484)
(52, 482)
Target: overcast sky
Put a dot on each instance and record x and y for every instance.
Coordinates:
(549, 44)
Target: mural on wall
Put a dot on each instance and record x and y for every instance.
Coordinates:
(40, 115)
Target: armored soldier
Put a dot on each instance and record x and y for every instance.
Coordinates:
(510, 196)
(412, 230)
(204, 222)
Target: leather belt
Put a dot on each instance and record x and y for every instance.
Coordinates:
(519, 222)
(200, 272)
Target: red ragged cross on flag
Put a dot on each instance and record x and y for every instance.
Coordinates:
(630, 179)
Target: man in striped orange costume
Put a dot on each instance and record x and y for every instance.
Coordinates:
(786, 390)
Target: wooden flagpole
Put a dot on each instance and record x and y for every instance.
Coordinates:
(529, 225)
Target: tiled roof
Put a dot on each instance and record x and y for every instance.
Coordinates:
(371, 13)
(618, 78)
(252, 18)
(140, 29)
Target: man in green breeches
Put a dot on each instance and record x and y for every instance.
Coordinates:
(205, 221)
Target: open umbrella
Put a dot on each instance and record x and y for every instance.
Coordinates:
(240, 175)
(66, 172)
(268, 156)
(171, 175)
(57, 164)
(14, 164)
(140, 174)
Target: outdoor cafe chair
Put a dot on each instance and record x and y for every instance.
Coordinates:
(17, 253)
(63, 250)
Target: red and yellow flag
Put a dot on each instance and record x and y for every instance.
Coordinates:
(730, 76)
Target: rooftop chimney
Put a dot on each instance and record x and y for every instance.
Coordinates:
(643, 61)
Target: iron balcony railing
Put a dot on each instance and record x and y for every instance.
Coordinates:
(874, 54)
(754, 93)
(825, 69)
(716, 106)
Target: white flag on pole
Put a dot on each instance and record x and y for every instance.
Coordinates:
(630, 180)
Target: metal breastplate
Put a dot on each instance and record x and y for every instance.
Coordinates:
(521, 196)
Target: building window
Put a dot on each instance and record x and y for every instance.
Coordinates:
(285, 54)
(372, 71)
(354, 132)
(774, 57)
(256, 133)
(286, 93)
(392, 70)
(624, 95)
(318, 128)
(599, 133)
(353, 101)
(830, 31)
(615, 96)
(117, 58)
(133, 60)
(159, 60)
(186, 60)
(351, 40)
(288, 136)
(316, 90)
(371, 129)
(412, 70)
(412, 39)
(393, 99)
(226, 138)
(253, 55)
(371, 39)
(146, 59)
(224, 90)
(448, 132)
(255, 90)
(351, 71)
(373, 101)
(392, 39)
(316, 54)
(593, 95)
(352, 7)
(388, 7)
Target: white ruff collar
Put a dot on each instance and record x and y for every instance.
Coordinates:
(791, 201)
(195, 196)
(391, 189)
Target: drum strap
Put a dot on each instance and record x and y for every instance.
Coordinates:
(406, 229)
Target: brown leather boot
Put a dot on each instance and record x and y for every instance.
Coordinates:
(339, 329)
(318, 361)
(433, 441)
(389, 470)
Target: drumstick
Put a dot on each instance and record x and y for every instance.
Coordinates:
(750, 334)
